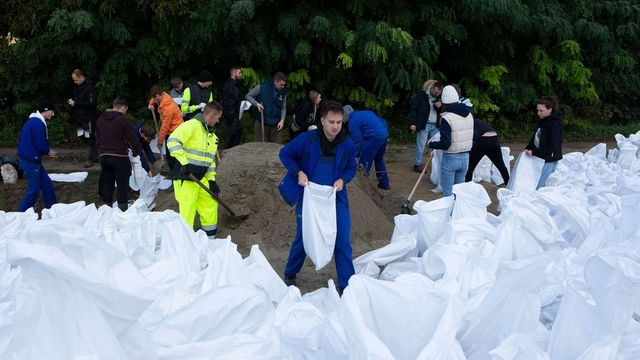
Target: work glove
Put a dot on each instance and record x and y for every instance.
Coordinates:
(197, 171)
(184, 172)
(213, 186)
(201, 106)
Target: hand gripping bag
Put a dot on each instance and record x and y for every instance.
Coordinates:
(319, 227)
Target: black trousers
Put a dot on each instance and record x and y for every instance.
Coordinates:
(234, 128)
(116, 170)
(489, 146)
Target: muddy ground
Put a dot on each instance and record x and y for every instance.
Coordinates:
(248, 176)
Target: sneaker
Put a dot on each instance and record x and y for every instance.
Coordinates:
(418, 168)
(383, 187)
(290, 280)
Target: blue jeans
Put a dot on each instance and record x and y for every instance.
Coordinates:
(38, 180)
(452, 171)
(421, 141)
(547, 169)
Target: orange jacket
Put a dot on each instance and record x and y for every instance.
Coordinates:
(170, 116)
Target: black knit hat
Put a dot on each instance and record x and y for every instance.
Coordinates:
(205, 76)
(45, 105)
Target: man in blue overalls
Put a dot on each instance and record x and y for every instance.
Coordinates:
(325, 156)
(370, 133)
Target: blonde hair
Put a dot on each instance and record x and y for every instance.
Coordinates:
(430, 83)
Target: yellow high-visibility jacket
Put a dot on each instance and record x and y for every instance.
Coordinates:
(193, 142)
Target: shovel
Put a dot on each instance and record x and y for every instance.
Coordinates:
(262, 123)
(243, 214)
(158, 164)
(405, 209)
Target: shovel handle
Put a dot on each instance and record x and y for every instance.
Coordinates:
(214, 196)
(424, 169)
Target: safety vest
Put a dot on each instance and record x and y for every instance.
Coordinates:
(461, 132)
(272, 100)
(192, 97)
(193, 142)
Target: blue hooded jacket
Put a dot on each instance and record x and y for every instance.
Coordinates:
(303, 153)
(33, 142)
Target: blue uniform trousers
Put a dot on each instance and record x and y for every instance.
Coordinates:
(372, 153)
(38, 180)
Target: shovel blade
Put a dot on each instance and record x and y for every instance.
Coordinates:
(156, 167)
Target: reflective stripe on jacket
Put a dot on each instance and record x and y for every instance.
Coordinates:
(196, 144)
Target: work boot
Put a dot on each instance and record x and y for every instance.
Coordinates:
(418, 168)
(290, 280)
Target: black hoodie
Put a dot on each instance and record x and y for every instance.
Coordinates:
(115, 134)
(549, 131)
(85, 110)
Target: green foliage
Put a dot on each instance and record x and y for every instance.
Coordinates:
(373, 54)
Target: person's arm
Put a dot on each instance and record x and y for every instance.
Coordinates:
(413, 112)
(445, 137)
(39, 134)
(290, 155)
(351, 167)
(175, 143)
(251, 95)
(165, 123)
(89, 103)
(211, 173)
(355, 133)
(131, 137)
(283, 112)
(556, 142)
(186, 99)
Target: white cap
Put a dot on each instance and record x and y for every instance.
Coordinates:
(450, 95)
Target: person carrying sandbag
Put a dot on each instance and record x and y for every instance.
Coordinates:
(324, 156)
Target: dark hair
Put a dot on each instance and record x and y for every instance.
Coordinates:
(155, 90)
(550, 102)
(234, 68)
(331, 106)
(148, 131)
(457, 87)
(78, 72)
(175, 81)
(214, 105)
(120, 101)
(313, 95)
(279, 76)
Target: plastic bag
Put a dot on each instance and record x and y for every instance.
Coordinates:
(319, 226)
(263, 275)
(436, 160)
(433, 216)
(471, 200)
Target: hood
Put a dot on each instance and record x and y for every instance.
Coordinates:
(459, 109)
(111, 115)
(200, 118)
(555, 116)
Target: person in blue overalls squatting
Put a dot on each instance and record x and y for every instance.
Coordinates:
(325, 156)
(370, 134)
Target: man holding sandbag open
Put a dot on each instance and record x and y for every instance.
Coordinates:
(325, 156)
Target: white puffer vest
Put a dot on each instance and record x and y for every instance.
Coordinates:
(461, 132)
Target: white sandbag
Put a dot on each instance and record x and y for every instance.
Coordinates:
(526, 173)
(471, 200)
(396, 251)
(432, 215)
(395, 269)
(627, 155)
(598, 151)
(405, 225)
(226, 267)
(519, 346)
(370, 269)
(630, 226)
(220, 312)
(263, 275)
(436, 160)
(319, 227)
(482, 172)
(496, 177)
(513, 303)
(79, 176)
(138, 173)
(231, 347)
(375, 332)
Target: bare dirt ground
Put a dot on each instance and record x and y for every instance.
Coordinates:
(249, 175)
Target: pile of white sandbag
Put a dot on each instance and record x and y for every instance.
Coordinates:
(555, 276)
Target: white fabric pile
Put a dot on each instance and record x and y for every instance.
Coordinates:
(555, 276)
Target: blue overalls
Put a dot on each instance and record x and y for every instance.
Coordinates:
(324, 174)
